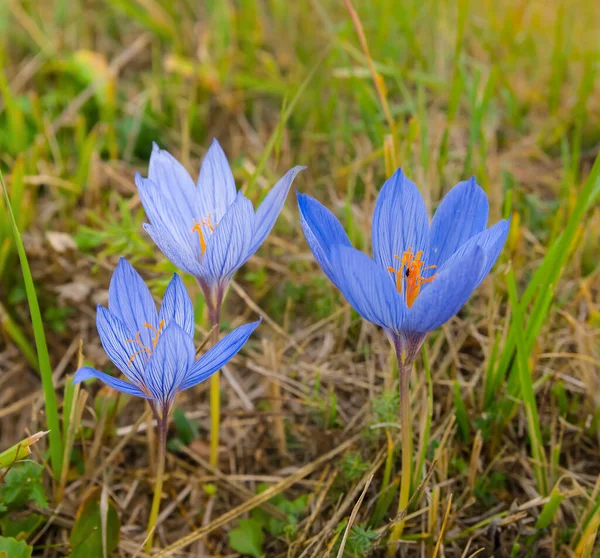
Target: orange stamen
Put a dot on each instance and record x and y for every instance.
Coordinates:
(206, 222)
(411, 270)
(138, 340)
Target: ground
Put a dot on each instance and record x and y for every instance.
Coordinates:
(504, 397)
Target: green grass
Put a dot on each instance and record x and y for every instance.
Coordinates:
(50, 404)
(506, 91)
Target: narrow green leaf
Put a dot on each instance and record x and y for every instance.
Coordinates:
(55, 437)
(533, 421)
(549, 510)
(462, 417)
(19, 451)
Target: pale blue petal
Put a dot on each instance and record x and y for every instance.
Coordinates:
(219, 355)
(269, 209)
(216, 187)
(180, 257)
(400, 221)
(122, 346)
(491, 241)
(177, 306)
(130, 300)
(322, 231)
(462, 214)
(170, 175)
(368, 288)
(227, 248)
(169, 218)
(169, 363)
(87, 373)
(447, 293)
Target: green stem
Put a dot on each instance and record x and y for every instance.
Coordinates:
(215, 392)
(160, 473)
(404, 376)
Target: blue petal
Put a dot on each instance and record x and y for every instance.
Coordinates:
(130, 300)
(400, 221)
(174, 181)
(491, 241)
(462, 214)
(169, 363)
(173, 223)
(219, 355)
(86, 373)
(120, 345)
(177, 306)
(228, 247)
(269, 209)
(447, 293)
(178, 255)
(368, 288)
(322, 231)
(216, 187)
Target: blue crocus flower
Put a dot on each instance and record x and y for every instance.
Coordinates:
(421, 274)
(207, 229)
(155, 350)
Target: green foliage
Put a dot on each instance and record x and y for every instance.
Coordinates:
(359, 542)
(248, 536)
(87, 539)
(118, 235)
(11, 548)
(462, 417)
(325, 405)
(549, 510)
(487, 488)
(353, 466)
(20, 525)
(186, 430)
(22, 484)
(386, 407)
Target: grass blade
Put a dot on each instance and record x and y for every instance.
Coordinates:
(19, 451)
(55, 439)
(533, 421)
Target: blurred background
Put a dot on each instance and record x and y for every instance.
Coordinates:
(508, 91)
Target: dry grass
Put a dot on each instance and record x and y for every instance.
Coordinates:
(309, 409)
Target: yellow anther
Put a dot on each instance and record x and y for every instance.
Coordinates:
(411, 270)
(138, 340)
(206, 222)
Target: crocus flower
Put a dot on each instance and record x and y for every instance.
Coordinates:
(155, 350)
(421, 274)
(206, 229)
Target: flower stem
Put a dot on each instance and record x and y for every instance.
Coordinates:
(404, 376)
(160, 473)
(215, 392)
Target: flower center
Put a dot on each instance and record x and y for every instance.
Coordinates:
(411, 269)
(206, 222)
(138, 340)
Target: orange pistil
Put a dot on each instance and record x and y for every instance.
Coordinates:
(206, 222)
(138, 340)
(411, 269)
